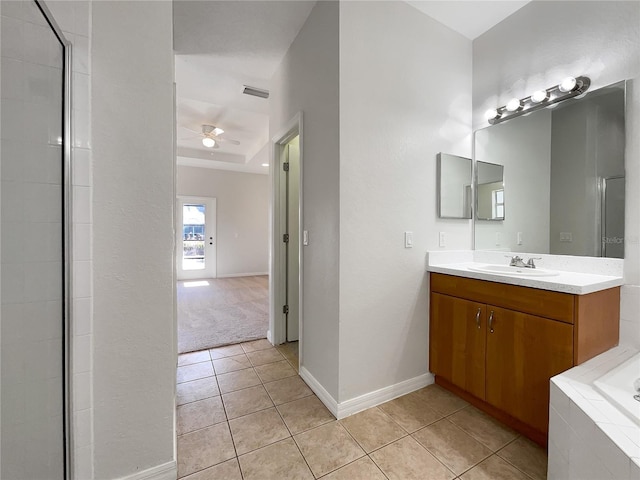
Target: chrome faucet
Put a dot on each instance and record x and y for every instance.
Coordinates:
(530, 263)
(517, 261)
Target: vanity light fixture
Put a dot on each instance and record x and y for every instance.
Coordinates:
(491, 113)
(514, 105)
(569, 88)
(539, 96)
(567, 85)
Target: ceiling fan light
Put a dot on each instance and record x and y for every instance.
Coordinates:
(217, 131)
(208, 142)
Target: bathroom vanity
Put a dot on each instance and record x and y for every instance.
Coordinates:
(497, 344)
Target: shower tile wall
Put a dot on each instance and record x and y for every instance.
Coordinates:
(18, 23)
(31, 244)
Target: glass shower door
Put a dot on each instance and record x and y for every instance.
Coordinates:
(32, 293)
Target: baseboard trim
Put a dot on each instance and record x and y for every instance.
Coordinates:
(166, 471)
(324, 396)
(371, 399)
(231, 275)
(368, 400)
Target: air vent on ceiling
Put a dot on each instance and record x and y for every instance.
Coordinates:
(256, 92)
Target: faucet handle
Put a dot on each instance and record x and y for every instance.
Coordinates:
(514, 260)
(530, 262)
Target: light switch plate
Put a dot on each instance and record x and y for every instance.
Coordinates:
(442, 239)
(305, 237)
(408, 239)
(519, 238)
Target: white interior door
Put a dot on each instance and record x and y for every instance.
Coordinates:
(196, 238)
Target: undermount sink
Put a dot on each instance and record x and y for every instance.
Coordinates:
(508, 270)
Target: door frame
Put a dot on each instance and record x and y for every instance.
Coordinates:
(211, 205)
(277, 333)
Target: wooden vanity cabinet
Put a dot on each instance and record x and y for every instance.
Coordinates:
(497, 345)
(523, 352)
(457, 345)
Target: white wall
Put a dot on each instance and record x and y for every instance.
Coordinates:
(307, 81)
(405, 81)
(134, 357)
(523, 147)
(242, 216)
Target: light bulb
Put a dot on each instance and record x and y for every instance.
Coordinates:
(208, 142)
(513, 105)
(491, 113)
(217, 131)
(539, 96)
(265, 164)
(567, 84)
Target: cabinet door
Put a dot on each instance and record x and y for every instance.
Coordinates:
(523, 353)
(457, 342)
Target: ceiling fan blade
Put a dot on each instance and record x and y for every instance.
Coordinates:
(227, 140)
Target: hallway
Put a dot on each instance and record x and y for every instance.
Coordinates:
(243, 413)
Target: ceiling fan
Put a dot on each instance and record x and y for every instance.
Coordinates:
(211, 136)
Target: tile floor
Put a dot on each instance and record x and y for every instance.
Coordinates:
(244, 413)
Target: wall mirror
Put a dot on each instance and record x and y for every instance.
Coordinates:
(564, 168)
(490, 191)
(454, 186)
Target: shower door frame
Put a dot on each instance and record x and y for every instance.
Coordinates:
(67, 430)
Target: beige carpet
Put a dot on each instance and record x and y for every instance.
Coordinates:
(222, 311)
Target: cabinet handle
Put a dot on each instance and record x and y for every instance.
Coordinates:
(491, 321)
(478, 317)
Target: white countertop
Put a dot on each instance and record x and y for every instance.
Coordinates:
(596, 273)
(565, 282)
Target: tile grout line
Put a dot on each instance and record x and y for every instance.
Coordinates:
(224, 407)
(291, 435)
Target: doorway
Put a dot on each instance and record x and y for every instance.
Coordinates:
(196, 238)
(216, 307)
(286, 304)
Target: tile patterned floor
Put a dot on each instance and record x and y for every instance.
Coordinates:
(244, 413)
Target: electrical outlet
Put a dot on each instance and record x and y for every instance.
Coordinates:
(519, 238)
(305, 237)
(408, 239)
(498, 239)
(442, 239)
